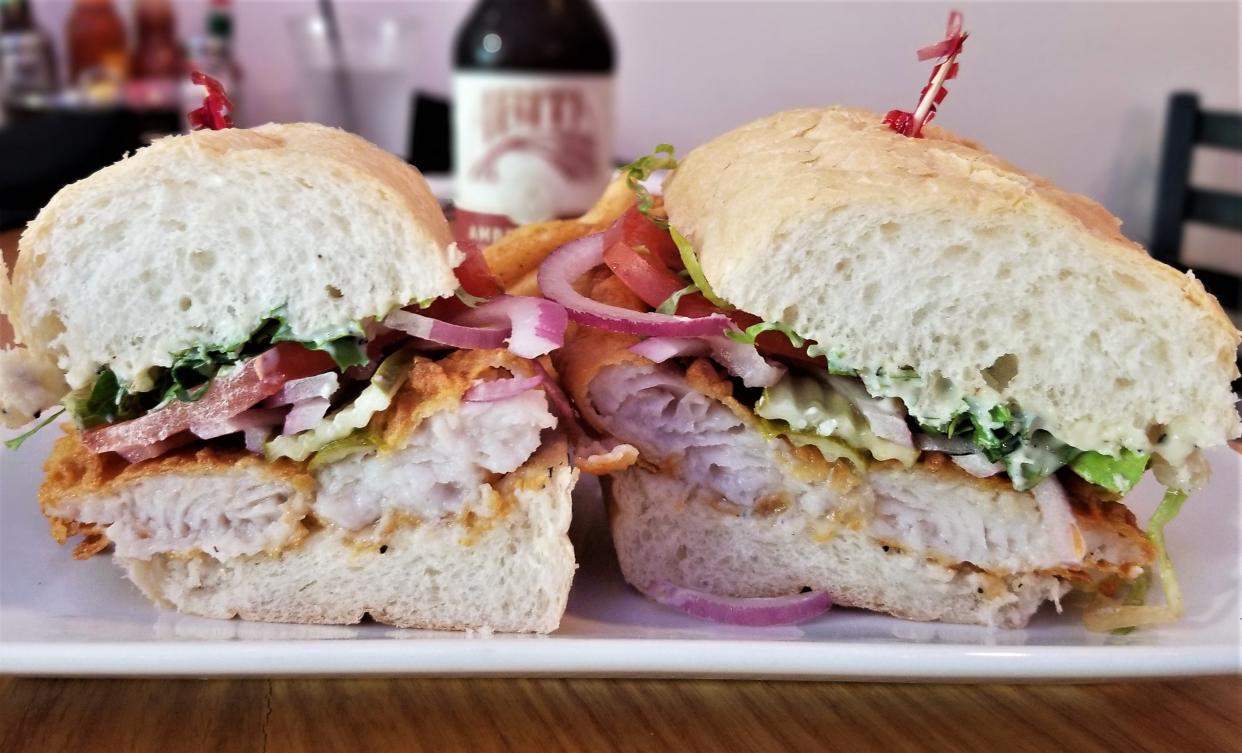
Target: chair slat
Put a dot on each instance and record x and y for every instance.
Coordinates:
(1219, 129)
(1219, 208)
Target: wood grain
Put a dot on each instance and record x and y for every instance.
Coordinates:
(602, 716)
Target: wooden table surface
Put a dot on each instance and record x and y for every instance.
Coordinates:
(485, 715)
(482, 716)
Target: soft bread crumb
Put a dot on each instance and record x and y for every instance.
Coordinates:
(197, 238)
(933, 253)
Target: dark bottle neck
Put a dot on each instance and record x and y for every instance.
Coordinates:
(567, 36)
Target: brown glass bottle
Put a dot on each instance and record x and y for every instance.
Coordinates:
(532, 113)
(95, 37)
(157, 55)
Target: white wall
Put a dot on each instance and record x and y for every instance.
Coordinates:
(1075, 91)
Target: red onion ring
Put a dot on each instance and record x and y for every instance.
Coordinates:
(571, 261)
(455, 335)
(296, 390)
(743, 361)
(977, 465)
(305, 414)
(661, 349)
(752, 612)
(255, 417)
(556, 396)
(739, 359)
(501, 389)
(536, 326)
(256, 437)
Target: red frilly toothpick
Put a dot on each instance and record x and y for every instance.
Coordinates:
(911, 123)
(214, 114)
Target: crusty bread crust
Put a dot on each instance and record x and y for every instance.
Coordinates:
(663, 531)
(196, 238)
(935, 254)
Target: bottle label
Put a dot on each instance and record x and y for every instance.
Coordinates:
(529, 147)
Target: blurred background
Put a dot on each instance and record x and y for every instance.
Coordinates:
(1079, 92)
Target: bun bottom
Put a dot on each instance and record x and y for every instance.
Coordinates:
(512, 576)
(662, 532)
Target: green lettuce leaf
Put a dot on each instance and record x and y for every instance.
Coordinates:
(661, 158)
(1117, 474)
(751, 333)
(189, 376)
(691, 261)
(670, 304)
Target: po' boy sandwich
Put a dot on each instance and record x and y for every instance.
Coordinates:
(899, 371)
(281, 411)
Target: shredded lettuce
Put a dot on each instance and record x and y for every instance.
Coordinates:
(661, 158)
(343, 423)
(691, 261)
(751, 333)
(1117, 474)
(837, 365)
(1124, 616)
(670, 304)
(20, 439)
(187, 379)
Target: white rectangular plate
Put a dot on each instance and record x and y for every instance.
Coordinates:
(63, 617)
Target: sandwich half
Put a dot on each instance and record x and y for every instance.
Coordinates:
(281, 410)
(898, 370)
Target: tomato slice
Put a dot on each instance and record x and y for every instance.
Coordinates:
(644, 275)
(634, 229)
(474, 274)
(254, 381)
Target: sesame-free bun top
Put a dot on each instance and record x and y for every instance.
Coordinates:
(196, 239)
(934, 254)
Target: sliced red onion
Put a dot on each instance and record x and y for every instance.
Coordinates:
(295, 391)
(567, 264)
(305, 414)
(739, 359)
(536, 326)
(256, 437)
(947, 445)
(455, 335)
(978, 465)
(1054, 508)
(752, 612)
(139, 453)
(886, 416)
(255, 417)
(501, 389)
(743, 361)
(556, 396)
(660, 349)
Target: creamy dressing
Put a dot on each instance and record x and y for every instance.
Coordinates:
(809, 405)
